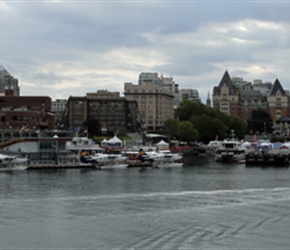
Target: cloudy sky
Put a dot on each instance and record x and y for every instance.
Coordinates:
(69, 48)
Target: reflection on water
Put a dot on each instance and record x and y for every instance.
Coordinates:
(203, 205)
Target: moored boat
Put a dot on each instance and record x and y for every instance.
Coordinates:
(12, 161)
(230, 150)
(153, 158)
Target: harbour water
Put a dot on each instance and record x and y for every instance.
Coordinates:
(205, 205)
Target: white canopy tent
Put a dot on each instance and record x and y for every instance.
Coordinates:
(115, 142)
(162, 145)
(104, 143)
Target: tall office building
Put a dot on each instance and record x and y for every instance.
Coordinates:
(155, 97)
(8, 84)
(189, 94)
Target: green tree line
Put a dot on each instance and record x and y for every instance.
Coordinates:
(195, 121)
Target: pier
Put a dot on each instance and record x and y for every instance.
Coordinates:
(275, 157)
(61, 166)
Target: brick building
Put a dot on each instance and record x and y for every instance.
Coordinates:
(28, 111)
(278, 102)
(113, 112)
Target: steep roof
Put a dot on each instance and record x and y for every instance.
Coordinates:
(226, 79)
(277, 87)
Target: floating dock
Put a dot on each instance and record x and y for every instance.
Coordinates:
(61, 166)
(275, 157)
(85, 166)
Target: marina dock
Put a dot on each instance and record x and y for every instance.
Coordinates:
(275, 157)
(61, 166)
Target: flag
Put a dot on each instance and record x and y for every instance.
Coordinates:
(22, 128)
(255, 137)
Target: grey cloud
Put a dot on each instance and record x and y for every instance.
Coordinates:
(58, 42)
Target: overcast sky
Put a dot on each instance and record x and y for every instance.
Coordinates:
(68, 48)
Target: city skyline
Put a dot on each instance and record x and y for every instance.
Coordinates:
(70, 48)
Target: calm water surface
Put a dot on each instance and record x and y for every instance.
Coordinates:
(204, 205)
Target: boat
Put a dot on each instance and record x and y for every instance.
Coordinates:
(110, 160)
(165, 156)
(77, 144)
(213, 146)
(12, 161)
(153, 158)
(230, 150)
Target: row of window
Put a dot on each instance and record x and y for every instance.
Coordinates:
(143, 91)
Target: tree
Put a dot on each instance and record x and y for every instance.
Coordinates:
(238, 125)
(188, 108)
(260, 121)
(170, 128)
(208, 127)
(203, 124)
(93, 126)
(186, 132)
(219, 128)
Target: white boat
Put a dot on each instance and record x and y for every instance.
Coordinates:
(212, 146)
(230, 150)
(109, 159)
(165, 156)
(94, 154)
(78, 144)
(162, 158)
(11, 161)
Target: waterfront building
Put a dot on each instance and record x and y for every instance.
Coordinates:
(59, 105)
(28, 111)
(238, 97)
(114, 113)
(226, 96)
(278, 102)
(8, 84)
(252, 100)
(59, 109)
(264, 87)
(155, 98)
(189, 94)
(24, 116)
